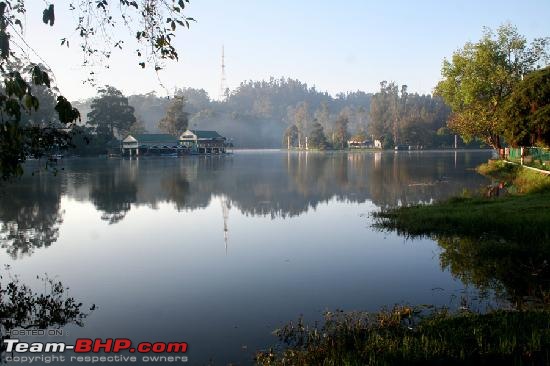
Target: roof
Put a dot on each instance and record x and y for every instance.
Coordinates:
(202, 134)
(155, 138)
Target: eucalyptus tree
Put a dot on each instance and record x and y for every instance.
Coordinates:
(176, 119)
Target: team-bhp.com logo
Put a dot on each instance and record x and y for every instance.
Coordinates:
(94, 346)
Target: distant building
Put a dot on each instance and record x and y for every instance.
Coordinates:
(203, 142)
(362, 142)
(191, 141)
(150, 143)
(359, 143)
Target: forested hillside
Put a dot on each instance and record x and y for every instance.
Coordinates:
(257, 113)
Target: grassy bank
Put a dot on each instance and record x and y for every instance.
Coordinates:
(522, 215)
(402, 337)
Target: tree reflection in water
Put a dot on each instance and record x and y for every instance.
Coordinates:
(30, 214)
(23, 308)
(517, 272)
(258, 184)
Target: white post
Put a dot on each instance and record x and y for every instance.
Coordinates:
(306, 143)
(522, 154)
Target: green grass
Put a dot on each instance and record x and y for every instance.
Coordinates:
(519, 179)
(402, 337)
(521, 218)
(523, 215)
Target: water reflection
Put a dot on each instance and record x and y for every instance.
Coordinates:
(257, 184)
(519, 273)
(30, 215)
(24, 310)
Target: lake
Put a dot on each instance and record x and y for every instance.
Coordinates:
(220, 251)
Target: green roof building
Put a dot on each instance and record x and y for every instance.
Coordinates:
(191, 141)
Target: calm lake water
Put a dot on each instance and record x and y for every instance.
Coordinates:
(146, 240)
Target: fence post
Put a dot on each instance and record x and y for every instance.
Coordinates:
(522, 154)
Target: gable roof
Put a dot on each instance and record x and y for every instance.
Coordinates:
(155, 138)
(202, 134)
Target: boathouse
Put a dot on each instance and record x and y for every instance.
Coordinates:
(191, 142)
(151, 143)
(203, 142)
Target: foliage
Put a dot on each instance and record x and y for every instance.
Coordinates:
(527, 112)
(480, 77)
(28, 126)
(175, 120)
(515, 178)
(257, 113)
(23, 308)
(290, 138)
(398, 117)
(86, 142)
(341, 134)
(408, 335)
(102, 23)
(110, 113)
(317, 138)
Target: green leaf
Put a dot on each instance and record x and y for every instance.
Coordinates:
(48, 15)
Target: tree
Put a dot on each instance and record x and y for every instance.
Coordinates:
(480, 77)
(362, 119)
(138, 127)
(317, 138)
(111, 114)
(527, 112)
(290, 137)
(156, 22)
(301, 120)
(322, 115)
(175, 120)
(341, 131)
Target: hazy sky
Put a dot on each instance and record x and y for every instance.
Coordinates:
(334, 45)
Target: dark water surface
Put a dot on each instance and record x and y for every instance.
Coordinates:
(145, 241)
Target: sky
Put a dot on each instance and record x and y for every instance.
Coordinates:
(336, 46)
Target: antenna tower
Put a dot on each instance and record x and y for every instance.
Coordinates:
(222, 81)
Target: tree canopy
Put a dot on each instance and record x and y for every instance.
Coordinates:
(527, 113)
(479, 78)
(110, 113)
(175, 120)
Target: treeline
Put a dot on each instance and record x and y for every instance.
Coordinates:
(398, 117)
(270, 114)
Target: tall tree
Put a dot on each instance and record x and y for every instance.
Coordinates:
(175, 120)
(301, 121)
(322, 115)
(480, 76)
(290, 137)
(110, 113)
(317, 138)
(341, 131)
